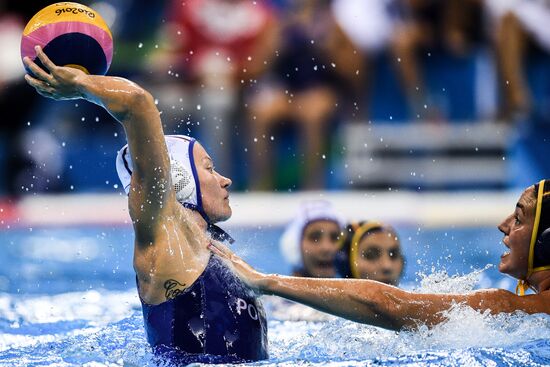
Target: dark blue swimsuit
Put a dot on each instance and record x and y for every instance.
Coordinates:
(218, 319)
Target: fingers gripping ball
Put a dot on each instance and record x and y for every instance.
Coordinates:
(70, 34)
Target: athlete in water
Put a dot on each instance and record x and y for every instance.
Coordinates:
(310, 240)
(195, 309)
(527, 258)
(370, 250)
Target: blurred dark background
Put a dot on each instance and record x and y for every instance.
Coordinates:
(302, 95)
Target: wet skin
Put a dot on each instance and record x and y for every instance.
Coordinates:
(170, 240)
(517, 228)
(161, 223)
(383, 305)
(214, 186)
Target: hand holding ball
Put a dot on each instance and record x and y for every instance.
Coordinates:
(72, 35)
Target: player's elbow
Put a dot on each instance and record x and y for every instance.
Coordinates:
(141, 99)
(385, 306)
(129, 101)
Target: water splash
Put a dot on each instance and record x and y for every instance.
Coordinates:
(440, 282)
(105, 328)
(467, 337)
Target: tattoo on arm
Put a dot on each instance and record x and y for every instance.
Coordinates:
(173, 288)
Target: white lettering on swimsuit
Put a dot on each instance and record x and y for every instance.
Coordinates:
(242, 305)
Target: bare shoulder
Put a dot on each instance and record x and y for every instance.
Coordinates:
(149, 230)
(500, 300)
(175, 258)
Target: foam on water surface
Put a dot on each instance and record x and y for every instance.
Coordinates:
(68, 298)
(105, 328)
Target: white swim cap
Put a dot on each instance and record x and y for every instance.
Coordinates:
(182, 165)
(309, 211)
(185, 179)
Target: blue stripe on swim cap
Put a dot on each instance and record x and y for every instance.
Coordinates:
(126, 165)
(199, 207)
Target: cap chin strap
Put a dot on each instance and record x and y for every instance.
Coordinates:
(523, 284)
(217, 233)
(522, 287)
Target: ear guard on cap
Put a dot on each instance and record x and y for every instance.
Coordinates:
(181, 181)
(185, 181)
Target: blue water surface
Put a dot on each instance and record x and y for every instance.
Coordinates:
(68, 298)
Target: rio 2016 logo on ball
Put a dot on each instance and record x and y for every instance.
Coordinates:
(71, 34)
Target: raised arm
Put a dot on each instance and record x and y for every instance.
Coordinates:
(378, 304)
(134, 107)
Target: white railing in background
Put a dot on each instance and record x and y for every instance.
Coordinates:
(467, 208)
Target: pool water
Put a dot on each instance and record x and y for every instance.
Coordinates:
(68, 298)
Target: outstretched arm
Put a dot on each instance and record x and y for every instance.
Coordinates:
(134, 107)
(376, 303)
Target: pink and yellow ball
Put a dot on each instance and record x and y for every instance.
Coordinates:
(71, 34)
